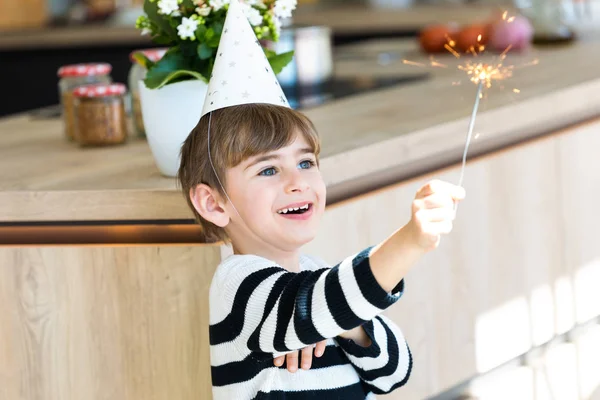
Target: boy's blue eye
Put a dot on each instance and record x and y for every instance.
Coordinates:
(306, 164)
(264, 171)
(309, 162)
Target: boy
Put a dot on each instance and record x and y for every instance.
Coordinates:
(249, 171)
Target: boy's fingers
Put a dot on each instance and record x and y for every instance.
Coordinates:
(437, 186)
(458, 193)
(292, 361)
(435, 215)
(278, 361)
(433, 186)
(307, 357)
(437, 200)
(320, 348)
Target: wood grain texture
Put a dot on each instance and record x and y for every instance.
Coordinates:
(22, 14)
(579, 177)
(369, 140)
(519, 267)
(120, 323)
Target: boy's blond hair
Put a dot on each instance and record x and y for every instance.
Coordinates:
(236, 134)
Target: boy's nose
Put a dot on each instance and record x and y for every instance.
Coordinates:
(296, 183)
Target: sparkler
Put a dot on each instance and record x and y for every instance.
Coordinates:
(482, 74)
(470, 131)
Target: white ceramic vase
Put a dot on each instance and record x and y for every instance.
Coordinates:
(169, 114)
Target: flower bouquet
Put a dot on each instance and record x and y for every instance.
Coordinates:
(191, 29)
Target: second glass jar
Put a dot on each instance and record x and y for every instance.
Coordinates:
(72, 76)
(137, 73)
(100, 117)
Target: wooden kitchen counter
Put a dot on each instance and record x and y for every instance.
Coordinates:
(369, 140)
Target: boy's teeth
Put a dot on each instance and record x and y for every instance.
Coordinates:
(286, 210)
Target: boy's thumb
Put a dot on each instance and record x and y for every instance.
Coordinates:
(459, 193)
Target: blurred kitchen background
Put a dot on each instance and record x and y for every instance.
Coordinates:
(39, 36)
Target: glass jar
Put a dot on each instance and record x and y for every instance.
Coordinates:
(100, 117)
(553, 21)
(137, 72)
(72, 76)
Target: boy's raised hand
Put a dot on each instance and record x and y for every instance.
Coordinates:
(433, 212)
(292, 358)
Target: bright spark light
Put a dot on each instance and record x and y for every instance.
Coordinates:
(482, 74)
(477, 71)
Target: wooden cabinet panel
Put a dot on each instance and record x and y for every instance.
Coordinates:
(114, 323)
(20, 14)
(579, 174)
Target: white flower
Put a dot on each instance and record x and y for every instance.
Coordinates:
(168, 7)
(146, 31)
(253, 16)
(218, 4)
(187, 28)
(284, 8)
(203, 11)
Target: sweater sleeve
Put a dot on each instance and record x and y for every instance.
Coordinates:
(268, 309)
(387, 363)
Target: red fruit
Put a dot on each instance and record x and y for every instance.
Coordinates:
(474, 35)
(433, 38)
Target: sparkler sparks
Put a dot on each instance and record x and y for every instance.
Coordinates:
(485, 72)
(488, 72)
(482, 74)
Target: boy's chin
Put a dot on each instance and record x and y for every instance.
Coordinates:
(303, 239)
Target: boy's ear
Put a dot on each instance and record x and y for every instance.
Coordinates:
(207, 203)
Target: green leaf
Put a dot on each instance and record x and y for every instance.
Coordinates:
(161, 79)
(173, 65)
(141, 59)
(217, 27)
(173, 23)
(279, 61)
(162, 39)
(269, 53)
(205, 51)
(210, 33)
(200, 32)
(188, 49)
(214, 41)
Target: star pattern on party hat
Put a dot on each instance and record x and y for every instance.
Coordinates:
(241, 73)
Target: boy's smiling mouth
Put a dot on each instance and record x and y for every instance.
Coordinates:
(296, 209)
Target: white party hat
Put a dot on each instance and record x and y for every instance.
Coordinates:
(241, 73)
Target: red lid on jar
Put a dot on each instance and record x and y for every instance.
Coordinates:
(101, 90)
(152, 54)
(84, 69)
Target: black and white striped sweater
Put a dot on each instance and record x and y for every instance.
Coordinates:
(259, 310)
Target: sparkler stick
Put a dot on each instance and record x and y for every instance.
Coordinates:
(470, 132)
